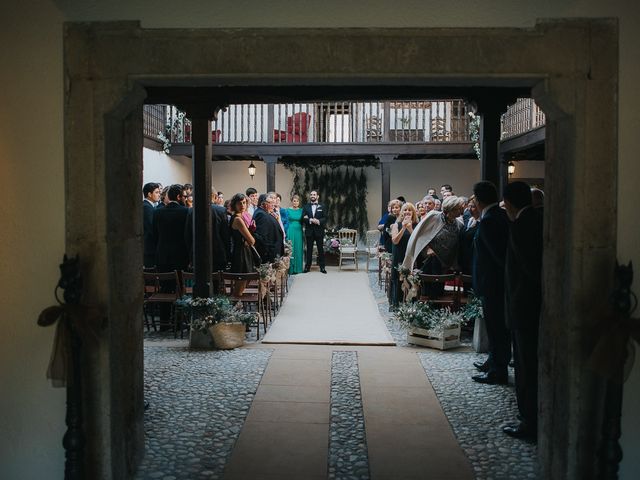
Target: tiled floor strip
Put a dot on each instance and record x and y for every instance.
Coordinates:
(348, 456)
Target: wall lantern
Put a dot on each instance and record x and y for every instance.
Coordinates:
(252, 169)
(511, 168)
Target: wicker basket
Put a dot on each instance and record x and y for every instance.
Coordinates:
(228, 335)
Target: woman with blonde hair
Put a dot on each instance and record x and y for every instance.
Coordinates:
(394, 206)
(400, 233)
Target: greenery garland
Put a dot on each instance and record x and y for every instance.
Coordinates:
(341, 184)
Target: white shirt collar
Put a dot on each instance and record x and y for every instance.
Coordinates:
(521, 210)
(486, 209)
(149, 202)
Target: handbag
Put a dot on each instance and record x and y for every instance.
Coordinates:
(257, 259)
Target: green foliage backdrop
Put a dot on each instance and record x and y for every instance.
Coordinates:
(341, 184)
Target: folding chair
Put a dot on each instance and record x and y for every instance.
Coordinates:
(372, 243)
(348, 246)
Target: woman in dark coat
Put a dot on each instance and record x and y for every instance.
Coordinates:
(395, 206)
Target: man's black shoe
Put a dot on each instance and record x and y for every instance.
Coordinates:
(520, 430)
(306, 269)
(323, 270)
(491, 378)
(482, 366)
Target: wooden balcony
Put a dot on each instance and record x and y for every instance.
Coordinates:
(409, 129)
(521, 117)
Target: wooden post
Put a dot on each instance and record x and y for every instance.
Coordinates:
(489, 138)
(202, 261)
(270, 162)
(385, 167)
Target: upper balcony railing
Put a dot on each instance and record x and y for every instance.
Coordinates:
(332, 122)
(521, 117)
(154, 121)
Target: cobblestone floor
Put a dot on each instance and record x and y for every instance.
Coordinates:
(348, 455)
(476, 412)
(198, 402)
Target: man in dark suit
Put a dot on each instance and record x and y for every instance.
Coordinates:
(151, 193)
(172, 252)
(523, 300)
(220, 234)
(314, 218)
(490, 248)
(269, 236)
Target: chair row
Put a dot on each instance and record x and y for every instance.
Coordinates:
(162, 290)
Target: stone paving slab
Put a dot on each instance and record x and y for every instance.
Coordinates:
(198, 402)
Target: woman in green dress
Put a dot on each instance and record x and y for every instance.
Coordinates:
(294, 233)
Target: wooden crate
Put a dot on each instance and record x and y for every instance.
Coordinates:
(450, 338)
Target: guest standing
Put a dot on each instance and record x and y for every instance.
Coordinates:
(172, 252)
(465, 257)
(296, 236)
(490, 249)
(242, 256)
(314, 219)
(151, 192)
(400, 233)
(523, 300)
(436, 240)
(269, 236)
(220, 235)
(394, 206)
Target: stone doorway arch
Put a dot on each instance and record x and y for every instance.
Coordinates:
(571, 67)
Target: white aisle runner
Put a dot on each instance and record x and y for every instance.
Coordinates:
(337, 308)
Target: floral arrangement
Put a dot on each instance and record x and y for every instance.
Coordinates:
(410, 280)
(204, 312)
(474, 133)
(473, 308)
(424, 315)
(288, 248)
(266, 271)
(385, 261)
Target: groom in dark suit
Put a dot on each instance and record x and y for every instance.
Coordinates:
(314, 218)
(523, 301)
(490, 249)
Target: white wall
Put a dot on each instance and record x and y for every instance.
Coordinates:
(161, 168)
(32, 168)
(31, 238)
(412, 178)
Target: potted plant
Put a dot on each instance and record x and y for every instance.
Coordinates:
(431, 327)
(205, 314)
(229, 331)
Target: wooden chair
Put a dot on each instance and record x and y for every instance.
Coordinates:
(348, 246)
(157, 292)
(185, 281)
(449, 299)
(251, 296)
(372, 244)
